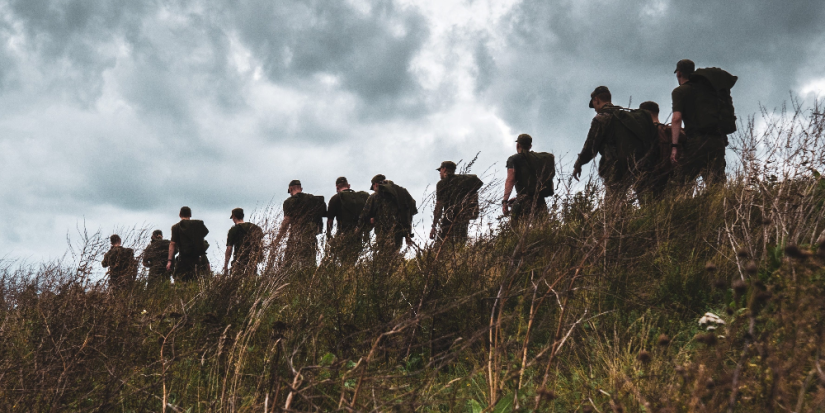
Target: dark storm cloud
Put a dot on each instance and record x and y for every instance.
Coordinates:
(556, 52)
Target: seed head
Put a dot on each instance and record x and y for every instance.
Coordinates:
(751, 268)
(663, 340)
(710, 267)
(794, 252)
(739, 287)
(644, 357)
(547, 394)
(719, 284)
(742, 253)
(706, 338)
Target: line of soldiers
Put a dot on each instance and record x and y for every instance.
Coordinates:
(639, 151)
(636, 150)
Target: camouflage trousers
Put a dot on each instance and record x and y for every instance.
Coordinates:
(190, 268)
(346, 247)
(528, 208)
(158, 275)
(301, 253)
(703, 155)
(453, 231)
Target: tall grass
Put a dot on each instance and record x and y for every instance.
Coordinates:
(595, 309)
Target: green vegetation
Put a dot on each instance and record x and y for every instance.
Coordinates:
(594, 310)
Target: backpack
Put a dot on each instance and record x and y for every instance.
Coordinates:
(404, 201)
(714, 104)
(192, 242)
(666, 141)
(352, 203)
(465, 192)
(634, 135)
(542, 167)
(252, 244)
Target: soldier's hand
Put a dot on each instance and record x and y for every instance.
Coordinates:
(673, 154)
(168, 265)
(432, 233)
(372, 221)
(505, 208)
(577, 172)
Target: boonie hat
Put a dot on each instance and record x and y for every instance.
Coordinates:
(598, 91)
(686, 66)
(450, 165)
(525, 139)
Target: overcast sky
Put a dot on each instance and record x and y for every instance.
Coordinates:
(116, 113)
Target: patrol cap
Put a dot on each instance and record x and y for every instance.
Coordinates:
(650, 106)
(598, 91)
(686, 66)
(525, 139)
(294, 182)
(450, 165)
(376, 179)
(157, 232)
(237, 213)
(341, 181)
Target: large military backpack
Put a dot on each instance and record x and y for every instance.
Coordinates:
(352, 203)
(714, 104)
(403, 200)
(465, 193)
(635, 136)
(541, 171)
(192, 242)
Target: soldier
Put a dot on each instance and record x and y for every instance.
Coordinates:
(188, 241)
(153, 258)
(519, 170)
(344, 208)
(622, 154)
(456, 203)
(303, 214)
(246, 239)
(390, 209)
(656, 180)
(699, 104)
(121, 264)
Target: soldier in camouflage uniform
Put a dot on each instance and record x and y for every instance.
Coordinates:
(526, 203)
(154, 258)
(190, 246)
(704, 150)
(121, 264)
(246, 240)
(451, 216)
(385, 214)
(617, 173)
(302, 222)
(344, 209)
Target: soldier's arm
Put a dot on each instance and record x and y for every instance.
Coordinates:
(439, 206)
(509, 184)
(675, 131)
(105, 262)
(170, 256)
(282, 230)
(147, 257)
(227, 257)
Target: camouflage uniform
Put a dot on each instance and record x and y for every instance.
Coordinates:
(247, 252)
(348, 242)
(122, 267)
(154, 258)
(455, 214)
(527, 203)
(704, 152)
(191, 262)
(389, 231)
(617, 173)
(302, 245)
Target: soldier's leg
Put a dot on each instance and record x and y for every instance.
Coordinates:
(714, 171)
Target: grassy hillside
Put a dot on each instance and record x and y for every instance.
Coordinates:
(594, 310)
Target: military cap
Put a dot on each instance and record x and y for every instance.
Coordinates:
(686, 66)
(650, 106)
(376, 179)
(157, 232)
(237, 213)
(341, 181)
(599, 90)
(525, 139)
(185, 211)
(450, 165)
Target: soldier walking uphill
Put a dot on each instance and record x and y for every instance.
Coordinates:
(344, 209)
(303, 221)
(188, 241)
(121, 264)
(623, 138)
(456, 204)
(390, 209)
(531, 173)
(662, 167)
(154, 258)
(703, 102)
(246, 239)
